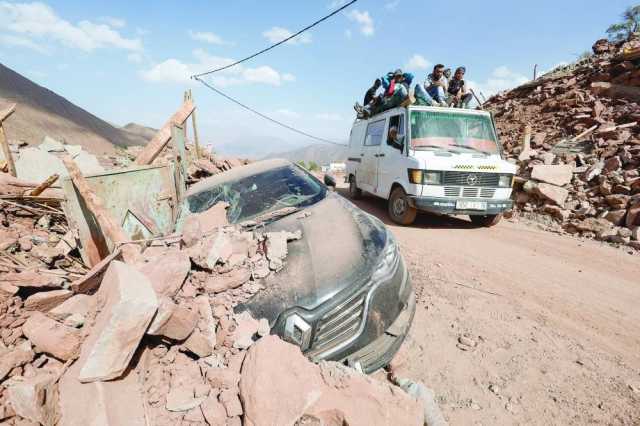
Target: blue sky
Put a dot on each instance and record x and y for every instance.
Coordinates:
(130, 60)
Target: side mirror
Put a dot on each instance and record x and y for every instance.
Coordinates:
(329, 181)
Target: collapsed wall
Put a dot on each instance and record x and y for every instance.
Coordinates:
(574, 134)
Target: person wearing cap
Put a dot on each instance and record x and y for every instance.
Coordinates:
(396, 86)
(458, 91)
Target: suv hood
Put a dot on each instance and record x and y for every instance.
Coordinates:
(340, 247)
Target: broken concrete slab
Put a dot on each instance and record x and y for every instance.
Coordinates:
(49, 144)
(167, 272)
(129, 306)
(46, 300)
(36, 398)
(555, 194)
(51, 337)
(278, 385)
(554, 174)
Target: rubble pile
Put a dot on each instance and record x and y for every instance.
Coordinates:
(579, 158)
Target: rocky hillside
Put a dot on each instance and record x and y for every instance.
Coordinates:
(575, 136)
(41, 112)
(320, 153)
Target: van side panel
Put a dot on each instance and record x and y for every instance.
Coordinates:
(356, 140)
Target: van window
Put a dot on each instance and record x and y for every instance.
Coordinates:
(396, 121)
(375, 131)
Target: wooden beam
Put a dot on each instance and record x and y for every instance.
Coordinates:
(44, 185)
(109, 227)
(5, 113)
(6, 151)
(160, 140)
(196, 141)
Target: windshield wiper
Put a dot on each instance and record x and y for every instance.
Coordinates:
(459, 145)
(432, 146)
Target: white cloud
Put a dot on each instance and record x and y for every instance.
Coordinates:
(287, 113)
(277, 34)
(501, 78)
(9, 40)
(175, 71)
(37, 20)
(328, 116)
(417, 62)
(114, 22)
(365, 21)
(207, 37)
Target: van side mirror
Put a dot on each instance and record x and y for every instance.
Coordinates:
(329, 181)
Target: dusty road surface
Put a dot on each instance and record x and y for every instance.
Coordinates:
(555, 322)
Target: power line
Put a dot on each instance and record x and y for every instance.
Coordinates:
(266, 117)
(278, 43)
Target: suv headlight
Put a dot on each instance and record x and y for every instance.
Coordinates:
(505, 181)
(388, 259)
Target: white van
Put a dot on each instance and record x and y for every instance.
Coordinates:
(435, 159)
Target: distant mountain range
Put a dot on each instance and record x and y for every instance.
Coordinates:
(41, 112)
(320, 153)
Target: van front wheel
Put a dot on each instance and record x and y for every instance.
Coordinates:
(400, 209)
(486, 221)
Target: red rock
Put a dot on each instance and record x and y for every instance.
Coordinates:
(554, 174)
(173, 321)
(182, 398)
(212, 219)
(167, 272)
(612, 164)
(198, 344)
(129, 306)
(218, 283)
(633, 216)
(80, 304)
(36, 398)
(51, 337)
(278, 385)
(616, 216)
(214, 412)
(246, 328)
(231, 402)
(32, 279)
(618, 201)
(223, 378)
(46, 300)
(555, 194)
(15, 358)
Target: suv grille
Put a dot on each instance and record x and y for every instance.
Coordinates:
(463, 179)
(340, 323)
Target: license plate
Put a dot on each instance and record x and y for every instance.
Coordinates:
(471, 205)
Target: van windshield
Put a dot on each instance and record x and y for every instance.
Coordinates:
(431, 130)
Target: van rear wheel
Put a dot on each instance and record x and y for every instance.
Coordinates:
(486, 221)
(400, 209)
(354, 191)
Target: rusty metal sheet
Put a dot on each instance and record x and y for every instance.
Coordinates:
(143, 199)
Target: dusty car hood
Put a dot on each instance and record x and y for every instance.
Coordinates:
(339, 248)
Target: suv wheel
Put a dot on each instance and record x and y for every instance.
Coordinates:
(400, 209)
(354, 191)
(486, 221)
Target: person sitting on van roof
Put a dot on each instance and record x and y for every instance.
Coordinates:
(438, 85)
(396, 86)
(460, 96)
(371, 93)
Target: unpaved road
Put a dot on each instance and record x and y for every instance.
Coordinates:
(556, 321)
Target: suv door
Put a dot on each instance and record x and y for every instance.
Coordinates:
(391, 158)
(368, 176)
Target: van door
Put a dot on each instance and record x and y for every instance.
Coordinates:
(368, 179)
(391, 158)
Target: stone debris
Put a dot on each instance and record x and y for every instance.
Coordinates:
(52, 337)
(582, 162)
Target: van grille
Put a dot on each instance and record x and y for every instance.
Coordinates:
(487, 192)
(462, 178)
(451, 191)
(470, 192)
(340, 323)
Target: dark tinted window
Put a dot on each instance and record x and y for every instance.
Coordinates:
(255, 195)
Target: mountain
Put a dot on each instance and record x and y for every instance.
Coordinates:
(320, 153)
(40, 112)
(139, 130)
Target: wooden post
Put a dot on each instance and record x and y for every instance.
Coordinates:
(44, 185)
(6, 151)
(195, 128)
(535, 71)
(95, 205)
(161, 139)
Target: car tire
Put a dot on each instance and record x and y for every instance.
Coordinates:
(400, 209)
(486, 221)
(354, 192)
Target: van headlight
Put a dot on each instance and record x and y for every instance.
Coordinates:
(388, 260)
(424, 177)
(505, 181)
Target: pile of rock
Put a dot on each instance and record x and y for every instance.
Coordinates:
(579, 162)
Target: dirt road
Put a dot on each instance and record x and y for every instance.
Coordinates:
(556, 321)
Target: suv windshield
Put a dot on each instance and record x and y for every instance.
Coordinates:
(261, 193)
(452, 132)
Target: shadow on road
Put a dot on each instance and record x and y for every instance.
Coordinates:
(378, 207)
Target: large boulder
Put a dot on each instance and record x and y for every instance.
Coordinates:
(279, 386)
(559, 175)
